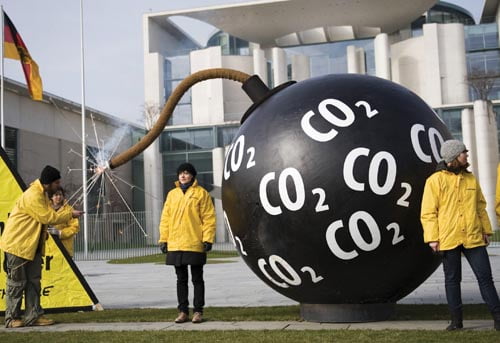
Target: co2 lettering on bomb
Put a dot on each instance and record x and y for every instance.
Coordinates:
(286, 201)
(285, 272)
(373, 174)
(433, 135)
(236, 155)
(359, 241)
(338, 122)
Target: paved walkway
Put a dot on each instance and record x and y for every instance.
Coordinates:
(234, 284)
(437, 325)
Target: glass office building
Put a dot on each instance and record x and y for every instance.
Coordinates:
(194, 143)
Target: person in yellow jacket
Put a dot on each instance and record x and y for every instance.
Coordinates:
(23, 242)
(455, 222)
(497, 196)
(65, 231)
(187, 231)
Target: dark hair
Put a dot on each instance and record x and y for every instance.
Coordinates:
(49, 174)
(186, 167)
(60, 189)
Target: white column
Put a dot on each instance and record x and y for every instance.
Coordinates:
(469, 137)
(453, 65)
(431, 72)
(487, 154)
(360, 57)
(218, 169)
(352, 60)
(259, 62)
(279, 66)
(355, 60)
(300, 67)
(207, 97)
(153, 168)
(382, 56)
(153, 186)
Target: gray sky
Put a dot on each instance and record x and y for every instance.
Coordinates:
(113, 47)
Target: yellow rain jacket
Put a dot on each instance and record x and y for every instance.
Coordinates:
(497, 202)
(26, 227)
(68, 230)
(187, 219)
(454, 211)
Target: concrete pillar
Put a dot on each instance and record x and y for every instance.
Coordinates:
(259, 62)
(382, 56)
(218, 169)
(352, 61)
(453, 65)
(301, 69)
(153, 187)
(361, 60)
(207, 97)
(487, 154)
(431, 72)
(355, 60)
(469, 137)
(153, 180)
(279, 66)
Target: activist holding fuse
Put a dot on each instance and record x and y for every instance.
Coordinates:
(23, 242)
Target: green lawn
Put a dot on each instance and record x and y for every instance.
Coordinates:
(354, 336)
(271, 313)
(160, 258)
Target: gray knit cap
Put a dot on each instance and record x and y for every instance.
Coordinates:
(451, 149)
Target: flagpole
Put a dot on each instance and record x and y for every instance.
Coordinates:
(84, 145)
(2, 124)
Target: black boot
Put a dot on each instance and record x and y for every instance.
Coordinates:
(496, 318)
(456, 321)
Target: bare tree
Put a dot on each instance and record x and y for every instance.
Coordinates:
(151, 111)
(482, 82)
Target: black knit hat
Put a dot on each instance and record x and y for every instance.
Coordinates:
(186, 167)
(49, 175)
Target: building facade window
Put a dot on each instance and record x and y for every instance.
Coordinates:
(483, 58)
(11, 144)
(193, 145)
(176, 69)
(229, 45)
(453, 120)
(481, 37)
(331, 58)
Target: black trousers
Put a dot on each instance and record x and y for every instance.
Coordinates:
(182, 288)
(480, 264)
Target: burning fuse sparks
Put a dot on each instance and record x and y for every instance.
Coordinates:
(100, 169)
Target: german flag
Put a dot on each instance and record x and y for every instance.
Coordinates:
(15, 49)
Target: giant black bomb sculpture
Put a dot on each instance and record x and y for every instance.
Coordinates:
(322, 187)
(321, 191)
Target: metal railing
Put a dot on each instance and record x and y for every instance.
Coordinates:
(122, 235)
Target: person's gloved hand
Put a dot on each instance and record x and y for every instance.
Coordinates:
(207, 246)
(164, 247)
(54, 231)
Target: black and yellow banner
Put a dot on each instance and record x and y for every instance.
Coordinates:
(63, 287)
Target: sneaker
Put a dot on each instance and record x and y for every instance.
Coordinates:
(15, 323)
(197, 317)
(182, 318)
(42, 321)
